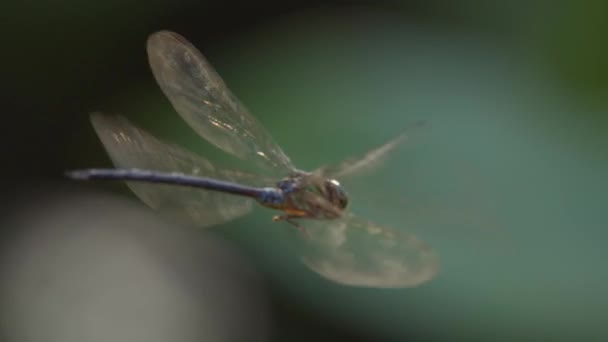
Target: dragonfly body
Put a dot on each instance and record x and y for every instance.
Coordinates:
(293, 195)
(338, 245)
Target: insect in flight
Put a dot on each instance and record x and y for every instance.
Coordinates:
(335, 243)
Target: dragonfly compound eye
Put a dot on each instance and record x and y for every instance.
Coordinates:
(335, 194)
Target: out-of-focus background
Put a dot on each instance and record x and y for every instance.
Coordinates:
(507, 182)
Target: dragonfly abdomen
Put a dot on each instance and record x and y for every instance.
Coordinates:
(179, 179)
(272, 197)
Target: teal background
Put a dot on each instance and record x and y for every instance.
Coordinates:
(508, 182)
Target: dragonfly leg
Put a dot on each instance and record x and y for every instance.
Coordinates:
(290, 219)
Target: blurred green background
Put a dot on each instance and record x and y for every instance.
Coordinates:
(508, 182)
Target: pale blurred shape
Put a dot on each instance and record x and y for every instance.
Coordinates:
(91, 267)
(354, 251)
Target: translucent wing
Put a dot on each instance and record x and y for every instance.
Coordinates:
(356, 252)
(131, 147)
(202, 99)
(364, 163)
(371, 159)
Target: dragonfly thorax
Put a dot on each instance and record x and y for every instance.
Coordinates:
(303, 195)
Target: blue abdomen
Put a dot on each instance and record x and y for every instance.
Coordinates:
(272, 197)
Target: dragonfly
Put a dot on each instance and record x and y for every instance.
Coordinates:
(335, 243)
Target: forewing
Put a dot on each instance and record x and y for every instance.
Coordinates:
(371, 159)
(355, 252)
(131, 147)
(202, 99)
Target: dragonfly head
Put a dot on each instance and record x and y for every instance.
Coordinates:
(335, 194)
